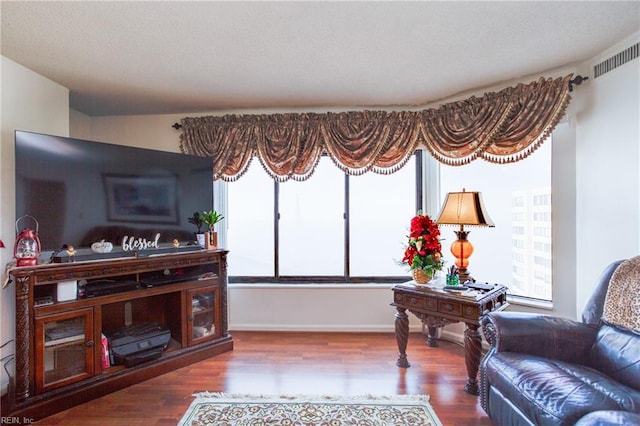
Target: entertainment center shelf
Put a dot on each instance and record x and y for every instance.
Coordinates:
(60, 344)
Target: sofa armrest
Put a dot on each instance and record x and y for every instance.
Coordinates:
(609, 417)
(542, 335)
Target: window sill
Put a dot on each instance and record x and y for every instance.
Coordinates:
(530, 303)
(305, 286)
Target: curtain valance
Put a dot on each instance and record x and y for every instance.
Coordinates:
(500, 127)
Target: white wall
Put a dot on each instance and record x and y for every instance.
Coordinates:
(350, 307)
(563, 192)
(79, 125)
(608, 175)
(33, 103)
(145, 131)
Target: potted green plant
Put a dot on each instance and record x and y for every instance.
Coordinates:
(210, 218)
(197, 221)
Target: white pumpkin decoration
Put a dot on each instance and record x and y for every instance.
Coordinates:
(102, 247)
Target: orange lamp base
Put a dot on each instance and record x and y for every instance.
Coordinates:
(462, 249)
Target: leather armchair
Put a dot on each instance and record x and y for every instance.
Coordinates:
(546, 370)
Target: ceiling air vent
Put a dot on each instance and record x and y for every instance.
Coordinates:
(629, 54)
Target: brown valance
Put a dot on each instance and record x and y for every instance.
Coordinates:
(500, 127)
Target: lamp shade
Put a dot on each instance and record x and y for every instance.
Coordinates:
(464, 208)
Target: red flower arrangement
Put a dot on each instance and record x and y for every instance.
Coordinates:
(424, 250)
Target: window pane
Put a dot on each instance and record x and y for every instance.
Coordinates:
(517, 196)
(381, 208)
(312, 223)
(250, 224)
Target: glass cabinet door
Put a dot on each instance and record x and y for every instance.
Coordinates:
(202, 314)
(64, 349)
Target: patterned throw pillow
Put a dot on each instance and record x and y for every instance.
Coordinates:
(622, 304)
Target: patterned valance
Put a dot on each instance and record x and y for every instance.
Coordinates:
(499, 127)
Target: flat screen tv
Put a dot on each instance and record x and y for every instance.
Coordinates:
(82, 192)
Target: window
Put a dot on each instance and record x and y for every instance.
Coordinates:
(250, 234)
(331, 227)
(542, 200)
(338, 228)
(542, 246)
(311, 225)
(518, 230)
(517, 196)
(542, 217)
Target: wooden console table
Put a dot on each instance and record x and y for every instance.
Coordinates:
(436, 308)
(59, 348)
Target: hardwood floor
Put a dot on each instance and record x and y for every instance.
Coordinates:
(294, 363)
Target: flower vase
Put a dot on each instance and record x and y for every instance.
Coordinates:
(211, 240)
(421, 277)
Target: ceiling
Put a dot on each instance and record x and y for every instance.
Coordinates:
(160, 57)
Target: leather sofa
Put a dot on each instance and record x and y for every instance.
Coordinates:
(546, 370)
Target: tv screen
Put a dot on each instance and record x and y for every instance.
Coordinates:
(82, 192)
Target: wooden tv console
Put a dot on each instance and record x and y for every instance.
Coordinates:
(59, 359)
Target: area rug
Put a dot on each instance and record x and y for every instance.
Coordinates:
(222, 409)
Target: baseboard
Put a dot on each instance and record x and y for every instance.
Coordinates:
(314, 328)
(459, 338)
(452, 337)
(445, 334)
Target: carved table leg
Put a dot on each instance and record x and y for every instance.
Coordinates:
(472, 351)
(432, 338)
(402, 336)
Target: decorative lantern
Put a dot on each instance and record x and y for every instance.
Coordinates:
(27, 246)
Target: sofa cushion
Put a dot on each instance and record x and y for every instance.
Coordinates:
(622, 304)
(615, 353)
(609, 418)
(554, 392)
(592, 312)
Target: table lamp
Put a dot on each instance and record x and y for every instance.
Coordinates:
(463, 208)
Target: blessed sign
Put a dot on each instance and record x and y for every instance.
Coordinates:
(132, 243)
